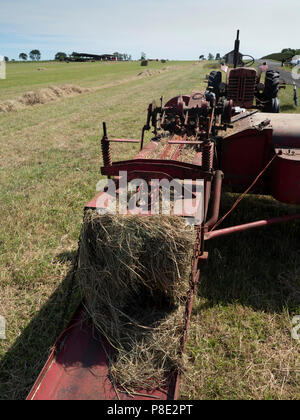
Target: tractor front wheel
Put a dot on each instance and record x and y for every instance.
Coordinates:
(214, 81)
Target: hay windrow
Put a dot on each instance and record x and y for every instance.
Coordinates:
(134, 276)
(152, 72)
(41, 96)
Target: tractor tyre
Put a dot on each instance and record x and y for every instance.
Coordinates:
(214, 81)
(275, 106)
(271, 85)
(272, 106)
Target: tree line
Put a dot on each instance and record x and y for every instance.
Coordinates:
(285, 55)
(35, 55)
(210, 57)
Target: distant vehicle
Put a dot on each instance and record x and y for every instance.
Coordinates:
(295, 60)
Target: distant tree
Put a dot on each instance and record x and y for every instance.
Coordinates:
(6, 58)
(201, 57)
(210, 56)
(60, 56)
(143, 56)
(35, 55)
(288, 50)
(23, 56)
(218, 56)
(119, 56)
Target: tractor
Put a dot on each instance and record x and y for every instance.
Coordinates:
(243, 87)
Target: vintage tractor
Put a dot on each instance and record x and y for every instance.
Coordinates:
(243, 85)
(196, 138)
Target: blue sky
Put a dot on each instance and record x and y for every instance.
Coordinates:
(173, 29)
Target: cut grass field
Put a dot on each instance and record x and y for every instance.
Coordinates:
(240, 343)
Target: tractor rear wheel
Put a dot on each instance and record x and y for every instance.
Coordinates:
(272, 106)
(270, 93)
(275, 105)
(271, 84)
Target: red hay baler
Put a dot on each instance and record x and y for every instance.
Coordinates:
(248, 151)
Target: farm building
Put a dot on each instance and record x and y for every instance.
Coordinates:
(91, 57)
(229, 58)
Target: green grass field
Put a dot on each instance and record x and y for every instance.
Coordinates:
(240, 343)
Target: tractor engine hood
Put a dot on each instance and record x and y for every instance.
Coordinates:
(286, 128)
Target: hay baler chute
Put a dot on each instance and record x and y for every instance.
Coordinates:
(195, 138)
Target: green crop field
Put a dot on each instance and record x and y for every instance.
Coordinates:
(240, 343)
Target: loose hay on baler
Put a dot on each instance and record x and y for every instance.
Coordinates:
(134, 274)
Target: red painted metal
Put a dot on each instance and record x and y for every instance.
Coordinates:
(196, 197)
(286, 129)
(123, 140)
(147, 150)
(188, 314)
(248, 146)
(241, 87)
(218, 179)
(169, 169)
(248, 226)
(77, 369)
(285, 183)
(246, 149)
(174, 101)
(192, 143)
(243, 156)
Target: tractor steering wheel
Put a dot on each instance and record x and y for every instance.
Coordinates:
(250, 63)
